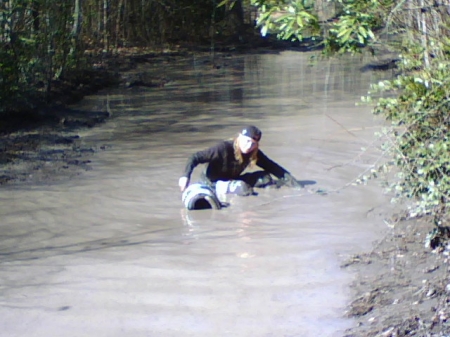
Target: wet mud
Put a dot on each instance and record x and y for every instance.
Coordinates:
(48, 149)
(403, 286)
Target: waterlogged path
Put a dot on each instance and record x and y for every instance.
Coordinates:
(113, 253)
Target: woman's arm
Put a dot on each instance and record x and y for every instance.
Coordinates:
(280, 172)
(199, 157)
(270, 166)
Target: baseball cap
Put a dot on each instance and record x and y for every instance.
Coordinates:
(252, 132)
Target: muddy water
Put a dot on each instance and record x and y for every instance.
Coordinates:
(113, 252)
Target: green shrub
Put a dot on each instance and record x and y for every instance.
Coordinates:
(418, 107)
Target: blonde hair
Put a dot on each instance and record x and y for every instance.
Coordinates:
(252, 159)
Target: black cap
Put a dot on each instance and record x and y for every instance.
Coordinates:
(252, 132)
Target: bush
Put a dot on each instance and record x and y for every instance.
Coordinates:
(418, 139)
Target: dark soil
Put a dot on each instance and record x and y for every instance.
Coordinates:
(403, 287)
(39, 148)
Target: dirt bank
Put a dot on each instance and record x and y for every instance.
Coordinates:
(403, 287)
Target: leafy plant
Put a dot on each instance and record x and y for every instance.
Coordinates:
(418, 141)
(353, 29)
(290, 20)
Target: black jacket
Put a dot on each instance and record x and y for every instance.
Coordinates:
(222, 164)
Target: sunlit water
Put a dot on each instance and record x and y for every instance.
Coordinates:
(114, 253)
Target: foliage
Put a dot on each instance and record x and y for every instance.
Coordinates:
(35, 43)
(351, 28)
(46, 40)
(8, 76)
(418, 142)
(417, 103)
(289, 20)
(354, 27)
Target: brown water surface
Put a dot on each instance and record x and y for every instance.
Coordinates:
(114, 253)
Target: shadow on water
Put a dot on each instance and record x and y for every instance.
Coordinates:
(304, 183)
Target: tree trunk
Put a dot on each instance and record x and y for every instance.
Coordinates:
(6, 21)
(76, 27)
(105, 26)
(35, 16)
(119, 16)
(423, 31)
(236, 18)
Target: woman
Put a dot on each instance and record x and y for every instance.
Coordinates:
(228, 159)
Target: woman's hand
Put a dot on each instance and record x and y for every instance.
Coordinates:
(183, 182)
(290, 181)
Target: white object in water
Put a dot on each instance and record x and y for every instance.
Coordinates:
(199, 196)
(238, 187)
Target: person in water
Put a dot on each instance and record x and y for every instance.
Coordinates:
(228, 159)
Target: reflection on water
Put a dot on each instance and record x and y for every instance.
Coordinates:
(116, 250)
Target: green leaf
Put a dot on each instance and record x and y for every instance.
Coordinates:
(362, 31)
(223, 3)
(347, 31)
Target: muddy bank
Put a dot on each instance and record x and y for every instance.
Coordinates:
(45, 149)
(403, 287)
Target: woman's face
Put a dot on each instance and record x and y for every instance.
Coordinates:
(246, 144)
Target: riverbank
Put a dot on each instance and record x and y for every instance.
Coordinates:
(403, 287)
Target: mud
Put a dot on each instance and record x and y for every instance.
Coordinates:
(403, 286)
